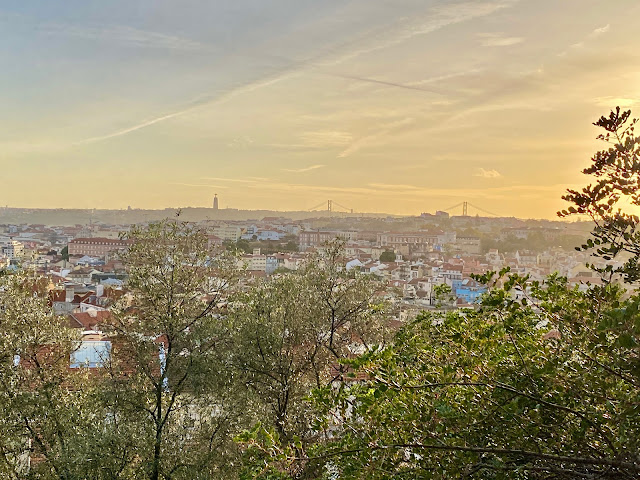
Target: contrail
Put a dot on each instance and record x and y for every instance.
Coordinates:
(389, 84)
(138, 127)
(203, 101)
(352, 50)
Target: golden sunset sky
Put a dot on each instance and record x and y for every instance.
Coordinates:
(397, 106)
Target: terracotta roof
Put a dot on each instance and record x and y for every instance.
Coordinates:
(57, 296)
(86, 320)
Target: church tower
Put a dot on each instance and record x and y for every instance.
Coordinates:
(215, 202)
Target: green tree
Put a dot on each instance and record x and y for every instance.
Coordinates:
(617, 182)
(388, 256)
(543, 388)
(45, 407)
(169, 390)
(65, 253)
(292, 333)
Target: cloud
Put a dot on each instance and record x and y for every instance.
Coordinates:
(139, 126)
(241, 142)
(595, 33)
(437, 19)
(366, 140)
(323, 139)
(481, 172)
(600, 31)
(201, 102)
(234, 180)
(499, 40)
(199, 185)
(414, 191)
(305, 169)
(392, 84)
(124, 35)
(394, 186)
(610, 102)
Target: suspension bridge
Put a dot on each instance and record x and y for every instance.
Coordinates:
(330, 206)
(463, 207)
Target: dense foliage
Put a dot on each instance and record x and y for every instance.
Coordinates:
(45, 408)
(546, 387)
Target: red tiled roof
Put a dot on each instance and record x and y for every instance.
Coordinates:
(87, 320)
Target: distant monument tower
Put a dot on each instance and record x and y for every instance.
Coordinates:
(215, 202)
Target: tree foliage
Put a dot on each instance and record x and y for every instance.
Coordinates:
(542, 388)
(168, 390)
(292, 334)
(44, 405)
(616, 171)
(388, 256)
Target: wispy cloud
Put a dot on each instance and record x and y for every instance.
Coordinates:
(394, 186)
(139, 126)
(437, 19)
(124, 35)
(316, 140)
(382, 131)
(235, 180)
(594, 33)
(386, 83)
(599, 31)
(491, 173)
(241, 143)
(323, 139)
(499, 40)
(305, 169)
(198, 185)
(201, 102)
(610, 102)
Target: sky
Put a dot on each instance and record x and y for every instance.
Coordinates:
(396, 106)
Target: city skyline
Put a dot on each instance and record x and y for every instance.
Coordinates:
(395, 107)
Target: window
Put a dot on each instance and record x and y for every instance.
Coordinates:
(91, 354)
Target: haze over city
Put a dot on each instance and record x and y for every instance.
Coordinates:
(396, 107)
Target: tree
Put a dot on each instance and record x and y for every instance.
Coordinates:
(388, 256)
(544, 388)
(65, 253)
(45, 407)
(169, 391)
(291, 334)
(617, 172)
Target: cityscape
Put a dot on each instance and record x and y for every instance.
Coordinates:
(320, 240)
(409, 255)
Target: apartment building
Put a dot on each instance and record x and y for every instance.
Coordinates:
(96, 247)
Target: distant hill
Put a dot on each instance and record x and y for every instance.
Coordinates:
(125, 217)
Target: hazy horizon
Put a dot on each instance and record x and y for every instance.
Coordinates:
(392, 107)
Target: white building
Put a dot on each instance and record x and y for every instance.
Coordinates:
(228, 232)
(13, 249)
